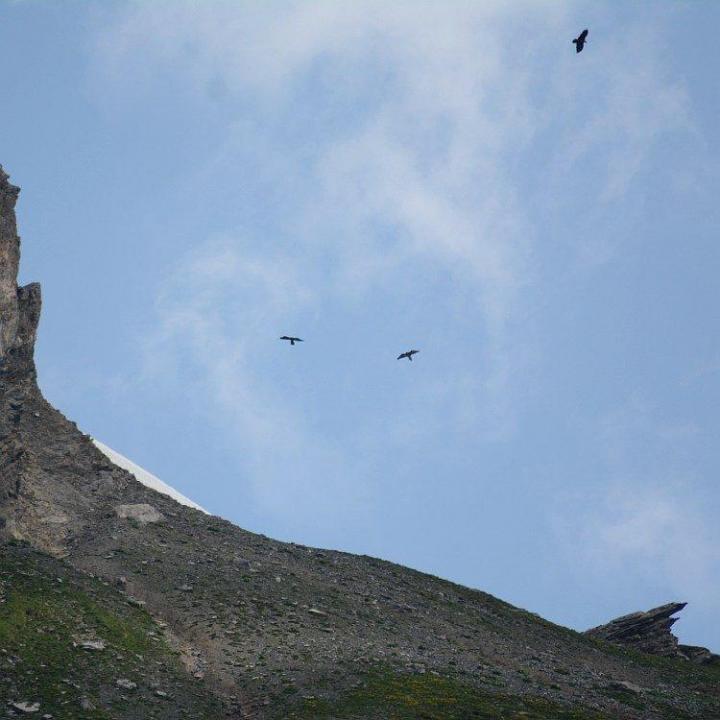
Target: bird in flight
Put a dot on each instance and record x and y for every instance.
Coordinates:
(408, 355)
(292, 340)
(580, 40)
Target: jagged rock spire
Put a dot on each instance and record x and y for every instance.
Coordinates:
(19, 306)
(649, 632)
(9, 262)
(646, 631)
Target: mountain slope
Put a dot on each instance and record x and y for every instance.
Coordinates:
(75, 648)
(277, 630)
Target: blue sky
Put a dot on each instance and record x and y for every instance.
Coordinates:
(200, 178)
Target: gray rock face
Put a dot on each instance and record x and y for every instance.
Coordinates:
(650, 632)
(19, 306)
(645, 631)
(698, 655)
(54, 484)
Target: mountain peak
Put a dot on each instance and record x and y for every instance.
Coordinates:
(19, 306)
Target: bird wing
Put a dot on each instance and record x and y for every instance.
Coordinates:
(298, 339)
(401, 356)
(285, 337)
(413, 352)
(583, 35)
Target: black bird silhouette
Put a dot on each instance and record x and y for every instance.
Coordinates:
(292, 340)
(408, 355)
(580, 40)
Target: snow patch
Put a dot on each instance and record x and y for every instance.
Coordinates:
(146, 478)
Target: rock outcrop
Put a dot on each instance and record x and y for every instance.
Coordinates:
(54, 483)
(19, 306)
(650, 632)
(141, 513)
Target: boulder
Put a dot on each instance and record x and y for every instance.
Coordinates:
(92, 645)
(142, 513)
(26, 707)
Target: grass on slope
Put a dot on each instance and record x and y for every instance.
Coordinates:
(385, 695)
(47, 611)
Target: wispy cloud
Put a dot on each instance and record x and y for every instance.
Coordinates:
(637, 107)
(397, 133)
(211, 308)
(643, 532)
(656, 533)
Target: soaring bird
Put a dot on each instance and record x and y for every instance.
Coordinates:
(580, 40)
(408, 354)
(292, 340)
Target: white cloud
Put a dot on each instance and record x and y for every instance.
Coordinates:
(212, 309)
(427, 160)
(437, 105)
(642, 532)
(213, 303)
(656, 533)
(638, 106)
(446, 100)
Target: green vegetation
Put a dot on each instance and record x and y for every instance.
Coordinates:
(701, 678)
(394, 696)
(46, 613)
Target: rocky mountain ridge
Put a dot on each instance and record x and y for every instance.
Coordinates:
(650, 632)
(240, 626)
